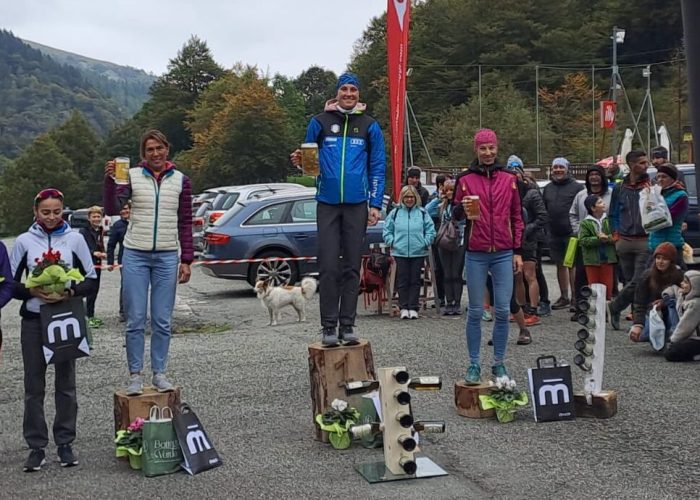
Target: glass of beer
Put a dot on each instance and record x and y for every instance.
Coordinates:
(121, 170)
(309, 159)
(473, 207)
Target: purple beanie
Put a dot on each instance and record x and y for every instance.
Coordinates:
(485, 136)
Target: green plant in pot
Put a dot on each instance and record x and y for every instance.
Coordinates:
(337, 422)
(504, 398)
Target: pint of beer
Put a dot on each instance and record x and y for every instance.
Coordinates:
(473, 208)
(121, 170)
(309, 159)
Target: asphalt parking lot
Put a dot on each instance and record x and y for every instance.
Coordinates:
(249, 385)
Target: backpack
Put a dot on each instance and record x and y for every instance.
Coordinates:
(375, 270)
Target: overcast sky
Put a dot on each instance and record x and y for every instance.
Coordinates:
(282, 36)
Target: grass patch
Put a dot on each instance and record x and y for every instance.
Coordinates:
(202, 328)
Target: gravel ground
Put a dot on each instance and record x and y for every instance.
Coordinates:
(249, 385)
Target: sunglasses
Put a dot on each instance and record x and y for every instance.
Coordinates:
(46, 194)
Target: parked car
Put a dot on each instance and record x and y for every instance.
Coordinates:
(225, 198)
(201, 198)
(282, 225)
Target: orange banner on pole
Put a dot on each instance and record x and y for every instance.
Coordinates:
(398, 15)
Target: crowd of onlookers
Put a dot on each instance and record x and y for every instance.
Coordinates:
(593, 233)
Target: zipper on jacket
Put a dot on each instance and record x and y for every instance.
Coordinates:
(493, 242)
(156, 187)
(342, 161)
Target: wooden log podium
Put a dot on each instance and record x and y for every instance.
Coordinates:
(604, 405)
(128, 408)
(330, 368)
(467, 400)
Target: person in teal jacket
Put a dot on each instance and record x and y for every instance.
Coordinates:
(409, 231)
(597, 244)
(676, 199)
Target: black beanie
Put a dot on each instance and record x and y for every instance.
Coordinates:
(668, 169)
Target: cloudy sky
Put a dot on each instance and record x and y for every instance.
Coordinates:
(279, 36)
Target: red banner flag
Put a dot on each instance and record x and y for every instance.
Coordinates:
(397, 20)
(608, 110)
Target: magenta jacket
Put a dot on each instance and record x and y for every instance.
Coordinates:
(501, 224)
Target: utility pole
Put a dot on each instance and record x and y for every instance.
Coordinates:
(618, 36)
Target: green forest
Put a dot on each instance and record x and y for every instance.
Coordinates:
(517, 67)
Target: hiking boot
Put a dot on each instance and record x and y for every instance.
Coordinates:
(524, 338)
(328, 336)
(486, 315)
(473, 376)
(499, 370)
(544, 309)
(561, 303)
(66, 456)
(613, 316)
(347, 335)
(413, 314)
(404, 314)
(35, 460)
(532, 320)
(135, 385)
(161, 383)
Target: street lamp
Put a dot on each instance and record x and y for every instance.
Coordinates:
(618, 36)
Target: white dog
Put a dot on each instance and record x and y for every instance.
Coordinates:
(274, 298)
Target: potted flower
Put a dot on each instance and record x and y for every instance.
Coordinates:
(337, 422)
(505, 398)
(52, 273)
(130, 443)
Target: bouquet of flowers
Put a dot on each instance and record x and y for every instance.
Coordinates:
(51, 273)
(504, 398)
(337, 422)
(130, 443)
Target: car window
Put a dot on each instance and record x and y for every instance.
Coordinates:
(304, 211)
(271, 214)
(229, 201)
(202, 210)
(257, 195)
(690, 184)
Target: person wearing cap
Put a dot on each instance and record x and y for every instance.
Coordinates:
(661, 274)
(676, 198)
(352, 163)
(413, 179)
(487, 196)
(659, 156)
(48, 232)
(631, 241)
(558, 196)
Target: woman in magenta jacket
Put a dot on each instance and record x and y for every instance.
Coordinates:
(492, 240)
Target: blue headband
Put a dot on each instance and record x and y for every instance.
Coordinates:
(346, 78)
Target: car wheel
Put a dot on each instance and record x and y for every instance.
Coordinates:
(280, 272)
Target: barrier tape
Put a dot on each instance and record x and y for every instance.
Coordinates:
(229, 261)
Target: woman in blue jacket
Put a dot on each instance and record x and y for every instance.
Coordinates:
(409, 231)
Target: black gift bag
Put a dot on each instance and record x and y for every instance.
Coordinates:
(551, 390)
(197, 451)
(64, 330)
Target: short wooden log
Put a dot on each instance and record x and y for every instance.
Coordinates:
(604, 405)
(467, 400)
(329, 369)
(128, 408)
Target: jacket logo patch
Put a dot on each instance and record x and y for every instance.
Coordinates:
(335, 128)
(356, 130)
(357, 142)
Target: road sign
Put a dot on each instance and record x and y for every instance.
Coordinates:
(608, 111)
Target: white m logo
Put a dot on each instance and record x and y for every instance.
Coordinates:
(197, 441)
(62, 326)
(554, 390)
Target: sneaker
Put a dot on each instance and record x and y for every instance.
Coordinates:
(486, 315)
(448, 310)
(347, 335)
(328, 336)
(524, 338)
(404, 314)
(532, 320)
(94, 323)
(544, 309)
(499, 370)
(35, 460)
(473, 376)
(456, 310)
(613, 316)
(135, 385)
(66, 456)
(561, 303)
(413, 314)
(511, 318)
(161, 383)
(572, 309)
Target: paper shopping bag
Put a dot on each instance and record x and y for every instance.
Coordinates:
(161, 448)
(551, 391)
(197, 451)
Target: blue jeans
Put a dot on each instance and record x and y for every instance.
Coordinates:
(479, 265)
(669, 315)
(159, 271)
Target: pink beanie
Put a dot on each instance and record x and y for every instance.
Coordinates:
(485, 136)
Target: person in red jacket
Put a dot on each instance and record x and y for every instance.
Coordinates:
(488, 197)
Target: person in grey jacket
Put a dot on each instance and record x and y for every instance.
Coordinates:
(558, 196)
(685, 342)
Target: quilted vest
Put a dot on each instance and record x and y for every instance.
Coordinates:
(153, 223)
